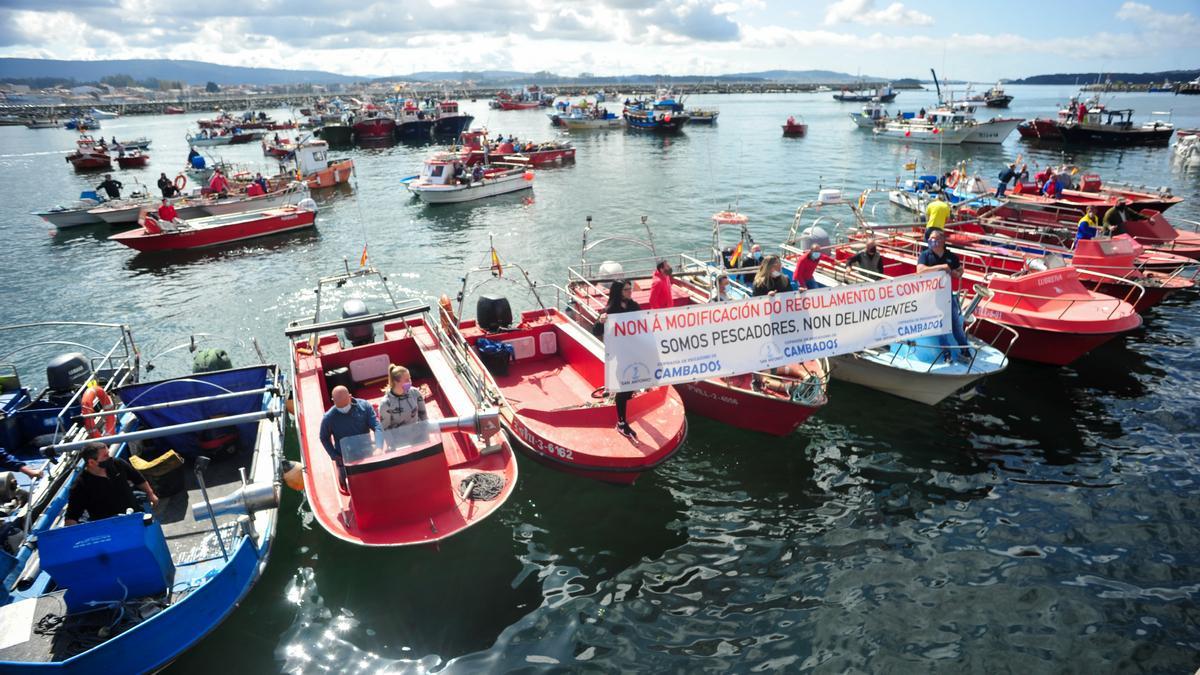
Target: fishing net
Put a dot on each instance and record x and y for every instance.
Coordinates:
(481, 486)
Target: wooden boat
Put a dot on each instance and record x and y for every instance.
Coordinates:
(133, 160)
(793, 128)
(419, 483)
(89, 155)
(437, 183)
(774, 403)
(551, 394)
(529, 154)
(155, 236)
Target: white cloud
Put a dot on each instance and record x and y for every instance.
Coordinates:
(864, 12)
(1160, 22)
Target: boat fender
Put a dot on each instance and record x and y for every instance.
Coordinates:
(448, 318)
(94, 394)
(180, 182)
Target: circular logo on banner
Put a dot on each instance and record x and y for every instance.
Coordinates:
(770, 352)
(635, 373)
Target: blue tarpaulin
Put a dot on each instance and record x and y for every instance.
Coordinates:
(196, 386)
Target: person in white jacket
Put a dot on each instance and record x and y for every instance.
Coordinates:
(403, 403)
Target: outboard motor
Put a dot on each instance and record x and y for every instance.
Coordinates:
(357, 335)
(67, 372)
(492, 312)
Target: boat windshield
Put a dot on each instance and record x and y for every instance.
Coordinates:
(395, 442)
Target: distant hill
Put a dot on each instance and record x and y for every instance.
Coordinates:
(1129, 78)
(192, 72)
(805, 76)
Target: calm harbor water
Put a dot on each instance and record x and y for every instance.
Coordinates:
(1048, 525)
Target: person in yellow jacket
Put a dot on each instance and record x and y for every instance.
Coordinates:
(936, 215)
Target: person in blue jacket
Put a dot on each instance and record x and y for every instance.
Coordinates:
(10, 463)
(348, 417)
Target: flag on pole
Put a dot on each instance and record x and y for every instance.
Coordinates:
(737, 254)
(362, 260)
(497, 268)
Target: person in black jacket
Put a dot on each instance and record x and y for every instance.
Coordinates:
(769, 279)
(166, 186)
(111, 187)
(620, 299)
(105, 486)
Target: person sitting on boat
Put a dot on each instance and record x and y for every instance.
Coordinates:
(937, 257)
(720, 290)
(111, 187)
(348, 417)
(868, 259)
(620, 300)
(262, 182)
(167, 214)
(105, 487)
(403, 403)
(1089, 225)
(477, 173)
(1053, 187)
(255, 189)
(1040, 178)
(661, 296)
(9, 462)
(1117, 216)
(1009, 173)
(218, 185)
(791, 121)
(769, 279)
(806, 267)
(936, 214)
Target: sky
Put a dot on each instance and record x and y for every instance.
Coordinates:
(968, 40)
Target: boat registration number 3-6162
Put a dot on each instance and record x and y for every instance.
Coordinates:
(542, 445)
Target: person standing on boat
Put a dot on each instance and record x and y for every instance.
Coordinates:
(769, 279)
(1089, 224)
(806, 267)
(868, 259)
(105, 487)
(403, 403)
(620, 300)
(936, 215)
(166, 186)
(348, 417)
(1117, 216)
(937, 257)
(661, 296)
(111, 187)
(1009, 173)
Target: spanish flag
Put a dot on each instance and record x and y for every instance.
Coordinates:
(737, 254)
(497, 269)
(362, 260)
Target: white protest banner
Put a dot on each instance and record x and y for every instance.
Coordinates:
(686, 344)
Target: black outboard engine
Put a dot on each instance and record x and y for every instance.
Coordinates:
(357, 335)
(493, 312)
(67, 372)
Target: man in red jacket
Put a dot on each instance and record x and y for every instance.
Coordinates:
(660, 287)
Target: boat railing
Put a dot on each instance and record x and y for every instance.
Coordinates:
(1195, 226)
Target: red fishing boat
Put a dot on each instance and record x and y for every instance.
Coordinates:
(1139, 197)
(89, 155)
(772, 402)
(415, 484)
(132, 160)
(280, 148)
(1057, 319)
(155, 236)
(374, 129)
(530, 154)
(1165, 244)
(550, 389)
(173, 110)
(793, 128)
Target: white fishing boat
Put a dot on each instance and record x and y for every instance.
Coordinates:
(75, 215)
(103, 114)
(582, 122)
(202, 141)
(445, 180)
(873, 114)
(948, 125)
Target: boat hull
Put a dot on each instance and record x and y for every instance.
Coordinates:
(992, 131)
(1043, 346)
(337, 135)
(70, 217)
(414, 130)
(374, 129)
(1085, 134)
(743, 408)
(204, 237)
(337, 173)
(922, 387)
(453, 194)
(659, 123)
(451, 126)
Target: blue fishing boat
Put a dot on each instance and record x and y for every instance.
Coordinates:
(83, 123)
(664, 114)
(130, 593)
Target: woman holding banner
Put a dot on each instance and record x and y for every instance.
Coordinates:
(769, 279)
(620, 299)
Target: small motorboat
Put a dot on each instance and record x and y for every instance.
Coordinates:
(42, 123)
(583, 122)
(96, 113)
(207, 140)
(173, 110)
(439, 184)
(140, 143)
(82, 124)
(278, 147)
(73, 216)
(795, 128)
(418, 483)
(315, 168)
(871, 116)
(551, 392)
(157, 236)
(89, 155)
(133, 160)
(703, 115)
(527, 153)
(1154, 231)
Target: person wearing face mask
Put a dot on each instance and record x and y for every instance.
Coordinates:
(720, 290)
(806, 266)
(348, 417)
(661, 296)
(868, 259)
(620, 300)
(403, 403)
(769, 279)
